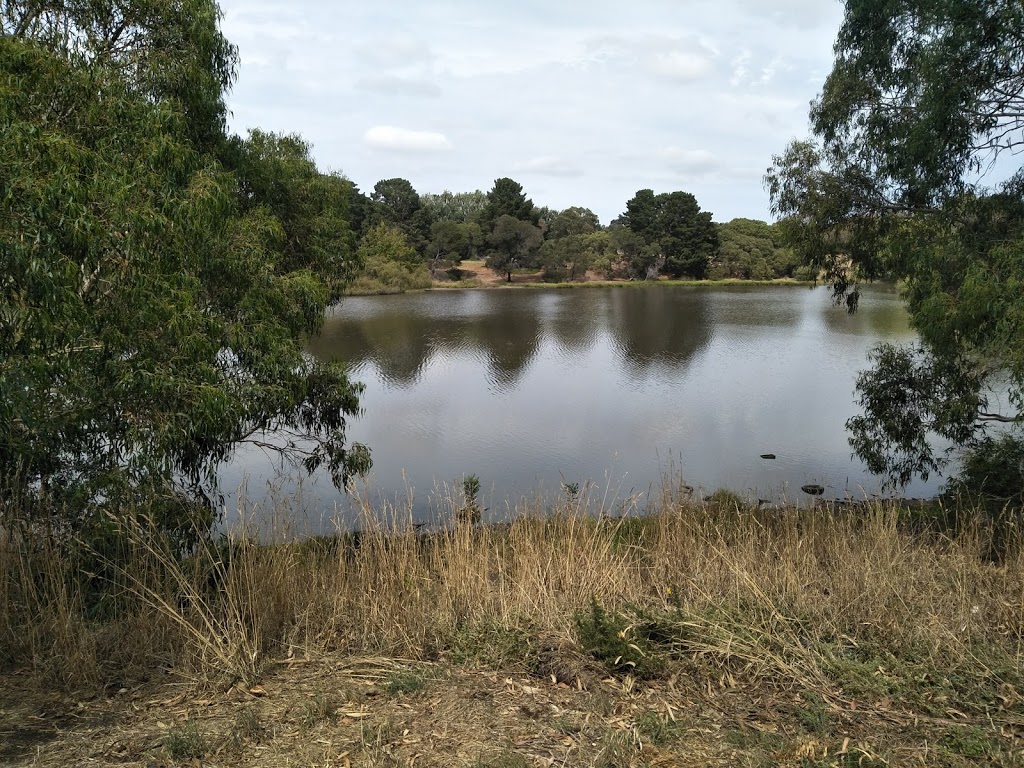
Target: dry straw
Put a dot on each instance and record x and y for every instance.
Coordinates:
(781, 594)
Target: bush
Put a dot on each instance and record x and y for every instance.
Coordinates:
(610, 638)
(993, 473)
(383, 276)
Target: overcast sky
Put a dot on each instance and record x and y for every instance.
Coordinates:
(581, 101)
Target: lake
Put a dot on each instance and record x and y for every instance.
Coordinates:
(529, 389)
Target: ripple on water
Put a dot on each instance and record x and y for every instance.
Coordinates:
(524, 388)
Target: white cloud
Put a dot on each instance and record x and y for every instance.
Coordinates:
(395, 52)
(548, 166)
(684, 66)
(402, 140)
(740, 68)
(695, 162)
(805, 14)
(589, 100)
(399, 86)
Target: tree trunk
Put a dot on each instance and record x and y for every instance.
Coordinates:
(509, 279)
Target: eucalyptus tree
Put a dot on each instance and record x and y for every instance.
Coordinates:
(925, 101)
(461, 207)
(156, 279)
(573, 221)
(752, 250)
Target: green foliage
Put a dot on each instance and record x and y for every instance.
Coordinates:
(470, 511)
(171, 54)
(247, 728)
(573, 221)
(391, 263)
(922, 96)
(992, 473)
(752, 250)
(813, 714)
(405, 683)
(471, 487)
(637, 258)
(609, 638)
(453, 241)
(396, 202)
(460, 207)
(155, 288)
(686, 236)
(319, 709)
(507, 198)
(186, 742)
(514, 245)
(906, 397)
(567, 258)
(658, 729)
(573, 244)
(970, 742)
(490, 644)
(305, 213)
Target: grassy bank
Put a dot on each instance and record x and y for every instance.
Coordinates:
(703, 634)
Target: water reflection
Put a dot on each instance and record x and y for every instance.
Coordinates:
(526, 388)
(400, 339)
(884, 316)
(393, 342)
(507, 335)
(571, 323)
(753, 307)
(663, 328)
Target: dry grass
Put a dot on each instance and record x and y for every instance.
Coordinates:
(722, 633)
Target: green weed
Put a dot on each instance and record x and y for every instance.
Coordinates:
(186, 742)
(610, 639)
(319, 709)
(658, 729)
(405, 682)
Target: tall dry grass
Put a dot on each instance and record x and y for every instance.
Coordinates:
(788, 594)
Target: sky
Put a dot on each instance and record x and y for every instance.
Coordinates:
(583, 102)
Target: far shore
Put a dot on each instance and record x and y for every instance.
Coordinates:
(477, 276)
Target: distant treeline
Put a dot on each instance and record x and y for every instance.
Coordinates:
(407, 240)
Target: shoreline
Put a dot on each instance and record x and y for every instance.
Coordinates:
(473, 285)
(475, 275)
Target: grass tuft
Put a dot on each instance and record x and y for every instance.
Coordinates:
(186, 742)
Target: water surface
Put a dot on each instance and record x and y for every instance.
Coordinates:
(528, 389)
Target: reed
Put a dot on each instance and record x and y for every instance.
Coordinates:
(803, 596)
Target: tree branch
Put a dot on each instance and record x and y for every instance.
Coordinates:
(1000, 419)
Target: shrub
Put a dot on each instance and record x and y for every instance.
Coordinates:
(609, 638)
